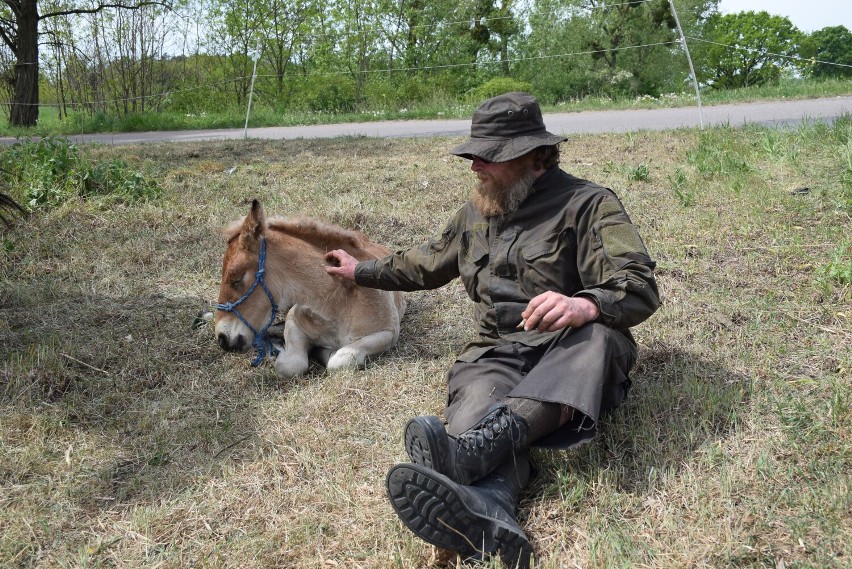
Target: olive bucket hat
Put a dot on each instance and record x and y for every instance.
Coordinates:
(506, 127)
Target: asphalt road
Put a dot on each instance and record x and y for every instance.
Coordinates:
(768, 113)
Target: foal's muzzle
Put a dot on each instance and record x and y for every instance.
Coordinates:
(237, 344)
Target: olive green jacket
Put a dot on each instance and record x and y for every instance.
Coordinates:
(569, 236)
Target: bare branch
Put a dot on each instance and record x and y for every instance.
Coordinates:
(101, 8)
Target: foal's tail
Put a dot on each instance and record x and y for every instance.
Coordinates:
(8, 208)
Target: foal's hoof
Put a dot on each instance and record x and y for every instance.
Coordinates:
(288, 368)
(345, 358)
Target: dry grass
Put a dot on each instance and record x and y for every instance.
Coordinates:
(128, 439)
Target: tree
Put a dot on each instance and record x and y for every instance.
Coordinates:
(748, 48)
(236, 39)
(416, 31)
(286, 30)
(281, 34)
(358, 42)
(833, 46)
(483, 25)
(506, 26)
(609, 48)
(19, 31)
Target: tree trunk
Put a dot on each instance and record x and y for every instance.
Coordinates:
(25, 99)
(504, 53)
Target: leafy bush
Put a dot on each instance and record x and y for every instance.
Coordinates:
(51, 171)
(498, 86)
(116, 178)
(412, 90)
(320, 94)
(409, 93)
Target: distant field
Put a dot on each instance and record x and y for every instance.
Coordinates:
(129, 439)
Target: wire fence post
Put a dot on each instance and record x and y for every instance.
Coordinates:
(689, 59)
(251, 91)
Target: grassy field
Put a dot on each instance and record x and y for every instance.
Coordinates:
(128, 439)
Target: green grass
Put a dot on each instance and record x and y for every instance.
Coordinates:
(83, 123)
(51, 171)
(127, 438)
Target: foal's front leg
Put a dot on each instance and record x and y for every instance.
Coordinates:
(355, 355)
(293, 360)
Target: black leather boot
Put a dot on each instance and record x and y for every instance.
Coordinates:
(476, 521)
(473, 454)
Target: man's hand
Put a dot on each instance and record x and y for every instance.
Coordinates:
(341, 264)
(552, 311)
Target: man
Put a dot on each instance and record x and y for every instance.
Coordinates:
(558, 274)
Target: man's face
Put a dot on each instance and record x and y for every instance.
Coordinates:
(501, 186)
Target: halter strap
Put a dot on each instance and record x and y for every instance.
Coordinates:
(261, 342)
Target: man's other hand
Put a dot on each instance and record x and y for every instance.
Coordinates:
(552, 311)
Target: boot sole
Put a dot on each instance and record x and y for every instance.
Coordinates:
(429, 504)
(426, 442)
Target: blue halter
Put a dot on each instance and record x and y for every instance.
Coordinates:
(262, 342)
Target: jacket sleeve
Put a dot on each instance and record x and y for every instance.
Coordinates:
(615, 268)
(429, 265)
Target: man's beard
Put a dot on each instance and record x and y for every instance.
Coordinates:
(495, 197)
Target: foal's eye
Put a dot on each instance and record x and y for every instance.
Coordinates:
(236, 282)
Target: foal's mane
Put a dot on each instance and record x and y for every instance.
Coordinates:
(319, 233)
(315, 232)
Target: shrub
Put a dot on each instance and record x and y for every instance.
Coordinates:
(498, 86)
(115, 178)
(321, 94)
(51, 171)
(402, 92)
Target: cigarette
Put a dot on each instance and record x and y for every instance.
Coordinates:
(522, 324)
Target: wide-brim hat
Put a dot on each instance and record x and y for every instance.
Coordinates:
(506, 127)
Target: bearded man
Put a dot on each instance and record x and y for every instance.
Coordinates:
(558, 274)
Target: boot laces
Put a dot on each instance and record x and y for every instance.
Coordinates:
(485, 433)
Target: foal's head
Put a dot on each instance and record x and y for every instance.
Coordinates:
(246, 306)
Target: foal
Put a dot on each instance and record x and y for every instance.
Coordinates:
(281, 262)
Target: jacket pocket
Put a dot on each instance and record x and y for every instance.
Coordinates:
(474, 248)
(547, 263)
(620, 244)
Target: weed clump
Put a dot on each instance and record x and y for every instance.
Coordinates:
(49, 172)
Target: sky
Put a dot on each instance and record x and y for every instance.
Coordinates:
(807, 15)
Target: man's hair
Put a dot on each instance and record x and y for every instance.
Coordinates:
(545, 157)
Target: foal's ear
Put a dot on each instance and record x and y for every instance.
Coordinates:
(254, 225)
